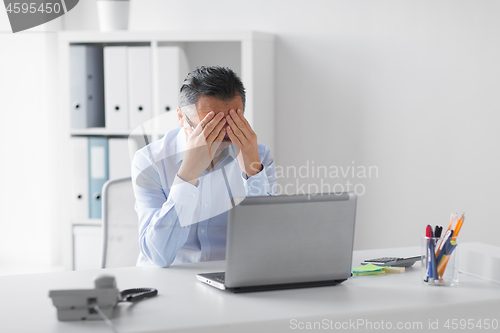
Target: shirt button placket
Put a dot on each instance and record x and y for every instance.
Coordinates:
(205, 215)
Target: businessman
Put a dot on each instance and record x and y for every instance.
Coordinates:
(185, 183)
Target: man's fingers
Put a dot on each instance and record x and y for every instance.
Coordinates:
(242, 117)
(213, 146)
(216, 131)
(235, 129)
(241, 126)
(233, 137)
(218, 140)
(207, 130)
(221, 135)
(203, 123)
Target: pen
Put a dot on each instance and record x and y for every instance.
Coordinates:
(443, 250)
(441, 244)
(437, 235)
(449, 227)
(431, 257)
(428, 234)
(446, 257)
(443, 241)
(433, 260)
(188, 120)
(452, 244)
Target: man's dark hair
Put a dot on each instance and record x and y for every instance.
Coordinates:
(214, 81)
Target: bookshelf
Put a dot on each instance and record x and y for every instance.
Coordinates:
(250, 54)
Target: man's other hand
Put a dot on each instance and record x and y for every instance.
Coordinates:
(242, 135)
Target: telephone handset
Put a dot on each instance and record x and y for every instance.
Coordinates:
(85, 304)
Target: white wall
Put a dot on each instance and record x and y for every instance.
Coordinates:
(408, 86)
(29, 234)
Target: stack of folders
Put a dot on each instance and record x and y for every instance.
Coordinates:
(95, 160)
(440, 246)
(112, 86)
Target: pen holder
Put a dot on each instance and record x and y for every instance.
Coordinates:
(441, 270)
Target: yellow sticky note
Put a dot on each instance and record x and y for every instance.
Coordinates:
(394, 270)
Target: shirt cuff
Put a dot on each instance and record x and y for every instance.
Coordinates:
(185, 197)
(256, 185)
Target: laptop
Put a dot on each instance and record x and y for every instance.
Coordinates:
(283, 242)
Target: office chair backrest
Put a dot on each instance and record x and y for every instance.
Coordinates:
(120, 229)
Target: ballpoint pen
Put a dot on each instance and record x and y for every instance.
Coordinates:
(437, 235)
(188, 120)
(428, 235)
(453, 216)
(446, 257)
(439, 255)
(433, 259)
(443, 241)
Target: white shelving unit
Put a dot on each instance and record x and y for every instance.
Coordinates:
(250, 54)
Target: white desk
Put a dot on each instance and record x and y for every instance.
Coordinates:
(186, 305)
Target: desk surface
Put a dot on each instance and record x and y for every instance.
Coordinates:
(186, 305)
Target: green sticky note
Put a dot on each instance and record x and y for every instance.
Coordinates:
(368, 268)
(370, 273)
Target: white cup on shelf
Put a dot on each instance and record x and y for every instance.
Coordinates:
(113, 14)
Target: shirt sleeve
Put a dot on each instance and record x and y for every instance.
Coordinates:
(165, 215)
(264, 182)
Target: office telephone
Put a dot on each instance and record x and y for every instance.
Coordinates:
(93, 304)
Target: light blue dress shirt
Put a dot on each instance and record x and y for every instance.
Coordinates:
(180, 222)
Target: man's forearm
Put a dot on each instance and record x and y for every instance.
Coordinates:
(165, 228)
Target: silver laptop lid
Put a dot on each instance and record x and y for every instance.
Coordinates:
(290, 239)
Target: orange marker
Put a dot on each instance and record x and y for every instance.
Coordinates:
(458, 227)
